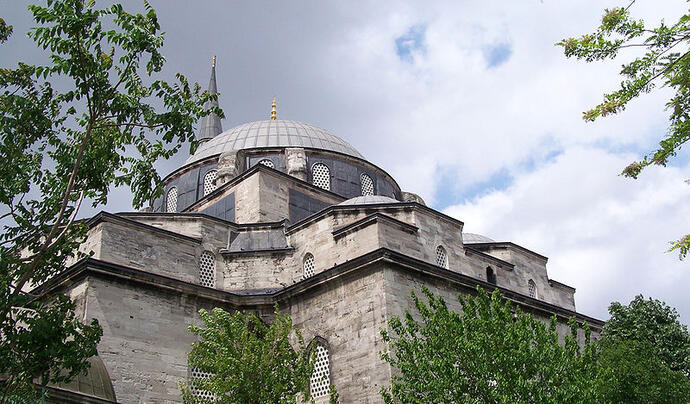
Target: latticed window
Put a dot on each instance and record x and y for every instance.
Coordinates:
(321, 176)
(532, 289)
(171, 200)
(197, 374)
(308, 266)
(321, 377)
(367, 185)
(267, 163)
(210, 182)
(207, 270)
(441, 257)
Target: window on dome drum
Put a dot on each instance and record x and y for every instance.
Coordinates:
(321, 176)
(441, 257)
(308, 266)
(197, 374)
(267, 163)
(210, 181)
(367, 185)
(207, 270)
(171, 200)
(320, 383)
(490, 276)
(532, 289)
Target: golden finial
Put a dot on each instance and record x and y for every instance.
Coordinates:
(214, 61)
(274, 112)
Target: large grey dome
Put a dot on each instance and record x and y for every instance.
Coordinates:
(273, 133)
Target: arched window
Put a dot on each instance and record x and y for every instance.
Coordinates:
(267, 163)
(210, 181)
(320, 383)
(308, 266)
(207, 270)
(171, 200)
(490, 276)
(441, 257)
(196, 376)
(367, 184)
(321, 176)
(532, 287)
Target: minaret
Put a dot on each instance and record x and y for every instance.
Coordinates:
(210, 125)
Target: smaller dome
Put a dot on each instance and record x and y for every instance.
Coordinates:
(95, 382)
(472, 238)
(368, 200)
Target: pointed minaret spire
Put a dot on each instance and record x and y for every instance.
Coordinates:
(274, 111)
(210, 125)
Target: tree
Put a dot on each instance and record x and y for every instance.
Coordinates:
(492, 352)
(246, 361)
(652, 324)
(105, 122)
(664, 62)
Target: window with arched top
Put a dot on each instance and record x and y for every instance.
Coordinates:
(207, 270)
(210, 181)
(532, 288)
(320, 382)
(367, 184)
(321, 176)
(490, 275)
(267, 163)
(441, 257)
(308, 266)
(171, 200)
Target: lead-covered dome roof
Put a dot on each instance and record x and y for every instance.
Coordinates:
(273, 133)
(368, 200)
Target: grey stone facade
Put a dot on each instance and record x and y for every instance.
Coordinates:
(142, 281)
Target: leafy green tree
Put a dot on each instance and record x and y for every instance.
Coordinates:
(91, 118)
(652, 324)
(664, 62)
(630, 372)
(248, 361)
(492, 352)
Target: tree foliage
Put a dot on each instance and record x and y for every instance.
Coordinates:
(663, 60)
(91, 118)
(248, 361)
(492, 352)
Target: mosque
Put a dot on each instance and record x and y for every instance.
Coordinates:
(279, 212)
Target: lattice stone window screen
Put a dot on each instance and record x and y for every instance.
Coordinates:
(321, 176)
(197, 392)
(308, 266)
(171, 200)
(321, 377)
(441, 257)
(207, 270)
(267, 163)
(532, 289)
(367, 185)
(210, 182)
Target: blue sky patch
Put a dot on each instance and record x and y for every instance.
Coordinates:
(412, 41)
(448, 192)
(497, 54)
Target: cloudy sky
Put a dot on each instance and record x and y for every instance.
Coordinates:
(467, 103)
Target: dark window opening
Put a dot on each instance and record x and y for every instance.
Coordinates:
(490, 276)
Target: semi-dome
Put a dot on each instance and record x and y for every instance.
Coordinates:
(273, 133)
(473, 238)
(368, 200)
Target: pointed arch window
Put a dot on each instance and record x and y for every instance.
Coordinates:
(210, 181)
(320, 383)
(308, 266)
(367, 184)
(207, 270)
(532, 288)
(490, 275)
(267, 163)
(441, 257)
(321, 176)
(171, 200)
